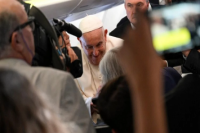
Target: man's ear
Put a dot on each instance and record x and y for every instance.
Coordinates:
(16, 42)
(105, 33)
(147, 5)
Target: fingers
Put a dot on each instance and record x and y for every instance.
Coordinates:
(67, 44)
(94, 109)
(164, 63)
(70, 51)
(66, 36)
(66, 40)
(71, 54)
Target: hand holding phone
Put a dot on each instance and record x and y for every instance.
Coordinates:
(176, 28)
(94, 106)
(94, 100)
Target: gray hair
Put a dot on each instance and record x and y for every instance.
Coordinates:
(8, 22)
(109, 65)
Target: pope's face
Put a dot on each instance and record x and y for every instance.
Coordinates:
(132, 5)
(94, 45)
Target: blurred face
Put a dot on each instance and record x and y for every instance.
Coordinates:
(132, 5)
(94, 45)
(22, 39)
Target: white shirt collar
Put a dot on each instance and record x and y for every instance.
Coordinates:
(149, 9)
(132, 26)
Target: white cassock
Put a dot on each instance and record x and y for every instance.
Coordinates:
(91, 79)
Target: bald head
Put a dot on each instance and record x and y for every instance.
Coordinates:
(14, 7)
(15, 43)
(11, 15)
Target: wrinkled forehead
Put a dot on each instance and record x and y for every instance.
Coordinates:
(135, 1)
(93, 36)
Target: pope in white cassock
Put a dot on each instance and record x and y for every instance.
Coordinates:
(93, 44)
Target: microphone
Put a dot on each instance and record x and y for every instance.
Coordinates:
(70, 28)
(58, 21)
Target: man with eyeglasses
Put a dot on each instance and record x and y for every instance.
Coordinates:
(93, 44)
(17, 51)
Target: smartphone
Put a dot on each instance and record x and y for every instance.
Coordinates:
(175, 28)
(94, 101)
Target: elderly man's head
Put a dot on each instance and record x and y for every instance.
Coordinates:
(16, 39)
(109, 66)
(93, 40)
(132, 6)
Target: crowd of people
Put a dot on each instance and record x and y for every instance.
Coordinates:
(125, 84)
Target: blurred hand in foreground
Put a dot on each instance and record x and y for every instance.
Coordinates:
(143, 68)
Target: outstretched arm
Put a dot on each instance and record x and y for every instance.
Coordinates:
(143, 69)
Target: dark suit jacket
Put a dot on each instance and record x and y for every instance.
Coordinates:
(171, 78)
(183, 106)
(192, 63)
(60, 89)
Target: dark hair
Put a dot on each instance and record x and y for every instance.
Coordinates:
(114, 104)
(21, 108)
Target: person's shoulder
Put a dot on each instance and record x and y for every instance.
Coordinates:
(170, 71)
(115, 40)
(123, 21)
(52, 73)
(191, 78)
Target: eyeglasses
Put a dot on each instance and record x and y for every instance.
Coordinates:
(30, 22)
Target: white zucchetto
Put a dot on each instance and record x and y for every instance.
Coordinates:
(90, 23)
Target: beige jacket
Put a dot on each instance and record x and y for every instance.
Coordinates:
(60, 89)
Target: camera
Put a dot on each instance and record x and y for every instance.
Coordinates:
(75, 66)
(47, 48)
(175, 29)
